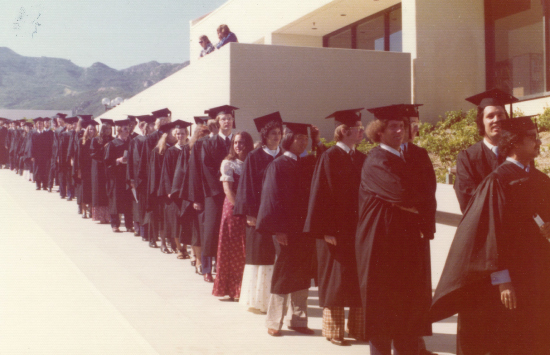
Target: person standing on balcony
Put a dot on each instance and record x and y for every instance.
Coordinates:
(479, 160)
(207, 46)
(390, 248)
(332, 218)
(225, 36)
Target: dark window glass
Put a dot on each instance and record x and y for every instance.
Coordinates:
(370, 34)
(396, 34)
(519, 47)
(340, 40)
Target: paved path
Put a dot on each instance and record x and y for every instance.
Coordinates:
(69, 286)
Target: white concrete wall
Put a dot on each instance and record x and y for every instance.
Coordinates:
(308, 84)
(294, 40)
(447, 42)
(186, 93)
(533, 107)
(250, 20)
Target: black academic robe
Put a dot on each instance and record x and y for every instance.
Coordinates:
(83, 163)
(155, 203)
(283, 209)
(214, 150)
(497, 233)
(71, 155)
(132, 172)
(172, 225)
(120, 198)
(260, 249)
(3, 149)
(390, 250)
(142, 174)
(99, 176)
(333, 205)
(22, 152)
(472, 166)
(41, 151)
(54, 170)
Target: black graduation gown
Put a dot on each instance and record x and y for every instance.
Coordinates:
(498, 232)
(21, 152)
(190, 190)
(55, 147)
(390, 251)
(83, 162)
(3, 150)
(214, 150)
(120, 198)
(260, 249)
(155, 203)
(132, 173)
(472, 166)
(12, 143)
(142, 175)
(41, 151)
(71, 154)
(99, 177)
(283, 209)
(332, 211)
(172, 225)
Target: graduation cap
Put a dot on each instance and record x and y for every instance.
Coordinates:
(71, 120)
(162, 113)
(395, 112)
(28, 124)
(89, 123)
(44, 119)
(493, 97)
(107, 121)
(297, 128)
(226, 109)
(37, 119)
(120, 123)
(518, 124)
(176, 124)
(85, 117)
(201, 119)
(347, 117)
(146, 118)
(263, 121)
(132, 118)
(60, 115)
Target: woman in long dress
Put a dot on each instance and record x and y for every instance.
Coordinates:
(83, 167)
(232, 242)
(100, 200)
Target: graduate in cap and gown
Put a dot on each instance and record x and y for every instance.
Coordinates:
(230, 259)
(135, 183)
(188, 184)
(497, 273)
(54, 172)
(282, 212)
(100, 199)
(332, 219)
(4, 158)
(41, 154)
(176, 154)
(162, 117)
(260, 249)
(82, 123)
(214, 150)
(66, 186)
(83, 166)
(390, 248)
(116, 157)
(479, 160)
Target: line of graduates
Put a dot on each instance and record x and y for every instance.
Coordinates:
(266, 220)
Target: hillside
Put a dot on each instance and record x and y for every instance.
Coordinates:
(54, 83)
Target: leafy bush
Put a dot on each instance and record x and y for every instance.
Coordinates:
(543, 121)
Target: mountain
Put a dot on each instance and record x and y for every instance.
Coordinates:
(59, 84)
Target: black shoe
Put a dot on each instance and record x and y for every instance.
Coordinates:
(153, 244)
(136, 233)
(38, 189)
(50, 189)
(144, 239)
(70, 199)
(193, 262)
(165, 250)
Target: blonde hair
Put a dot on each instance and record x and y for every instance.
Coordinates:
(339, 132)
(162, 144)
(87, 135)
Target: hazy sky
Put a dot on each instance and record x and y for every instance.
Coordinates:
(118, 33)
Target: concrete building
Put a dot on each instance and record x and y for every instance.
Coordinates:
(307, 59)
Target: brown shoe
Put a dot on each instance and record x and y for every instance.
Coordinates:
(303, 330)
(116, 230)
(208, 277)
(274, 332)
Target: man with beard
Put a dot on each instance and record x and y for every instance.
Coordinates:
(479, 160)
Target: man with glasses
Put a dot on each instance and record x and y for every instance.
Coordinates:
(207, 46)
(332, 218)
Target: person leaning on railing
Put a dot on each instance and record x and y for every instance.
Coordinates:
(225, 36)
(207, 46)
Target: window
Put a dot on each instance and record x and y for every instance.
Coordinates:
(516, 50)
(380, 32)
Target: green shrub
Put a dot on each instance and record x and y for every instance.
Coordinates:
(543, 121)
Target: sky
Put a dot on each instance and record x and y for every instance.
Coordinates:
(118, 33)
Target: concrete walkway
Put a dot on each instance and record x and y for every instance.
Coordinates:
(69, 286)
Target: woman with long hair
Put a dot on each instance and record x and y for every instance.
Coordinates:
(100, 200)
(231, 254)
(83, 167)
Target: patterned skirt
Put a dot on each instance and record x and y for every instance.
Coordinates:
(230, 259)
(101, 214)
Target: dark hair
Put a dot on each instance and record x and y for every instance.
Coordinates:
(479, 120)
(103, 136)
(288, 138)
(507, 141)
(248, 145)
(264, 132)
(375, 127)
